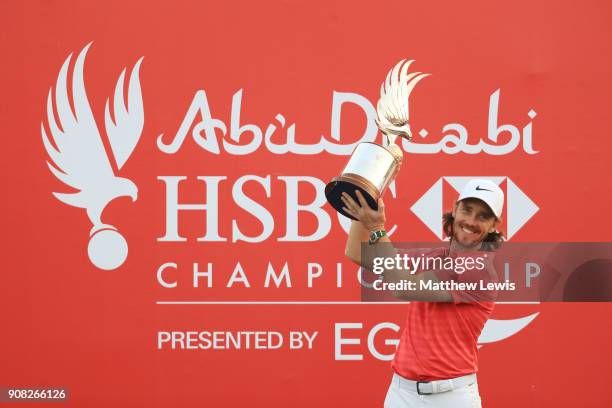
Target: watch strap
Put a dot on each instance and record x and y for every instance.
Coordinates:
(376, 235)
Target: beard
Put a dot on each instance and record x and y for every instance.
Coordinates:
(468, 240)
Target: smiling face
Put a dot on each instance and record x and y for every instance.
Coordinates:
(473, 220)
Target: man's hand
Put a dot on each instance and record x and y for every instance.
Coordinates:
(372, 220)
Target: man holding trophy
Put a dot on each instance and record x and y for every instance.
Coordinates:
(435, 363)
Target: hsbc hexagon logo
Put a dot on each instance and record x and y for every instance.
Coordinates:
(519, 208)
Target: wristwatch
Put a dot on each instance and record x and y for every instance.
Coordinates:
(376, 235)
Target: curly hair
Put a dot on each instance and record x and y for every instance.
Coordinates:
(492, 241)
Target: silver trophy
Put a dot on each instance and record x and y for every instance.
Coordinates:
(372, 167)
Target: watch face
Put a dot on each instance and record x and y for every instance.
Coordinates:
(372, 238)
(375, 235)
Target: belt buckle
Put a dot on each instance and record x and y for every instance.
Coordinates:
(419, 391)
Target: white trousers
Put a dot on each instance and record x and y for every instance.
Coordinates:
(400, 396)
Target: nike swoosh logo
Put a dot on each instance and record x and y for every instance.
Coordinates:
(482, 189)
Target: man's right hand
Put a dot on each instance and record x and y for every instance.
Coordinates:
(371, 219)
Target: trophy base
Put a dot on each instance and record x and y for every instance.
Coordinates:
(348, 183)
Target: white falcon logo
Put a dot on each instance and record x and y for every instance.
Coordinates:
(79, 159)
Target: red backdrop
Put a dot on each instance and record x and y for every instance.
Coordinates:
(67, 323)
